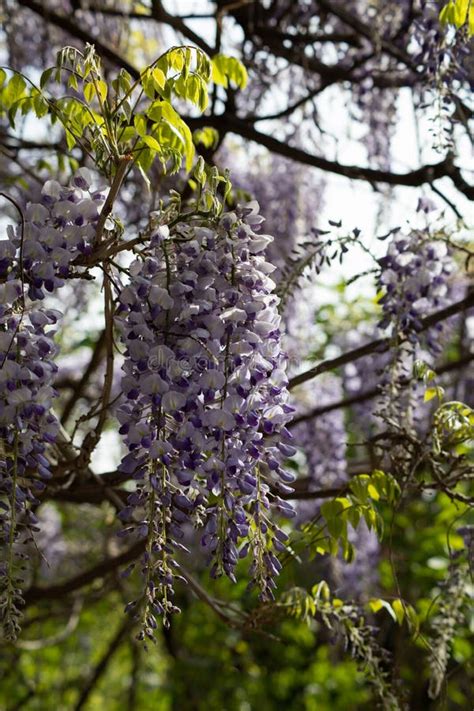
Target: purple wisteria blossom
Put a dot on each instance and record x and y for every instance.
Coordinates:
(34, 261)
(415, 276)
(206, 399)
(58, 230)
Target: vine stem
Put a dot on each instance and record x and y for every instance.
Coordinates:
(11, 533)
(123, 164)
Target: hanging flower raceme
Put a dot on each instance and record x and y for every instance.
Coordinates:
(415, 276)
(58, 231)
(205, 399)
(27, 426)
(34, 260)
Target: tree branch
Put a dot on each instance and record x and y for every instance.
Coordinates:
(369, 394)
(66, 24)
(379, 344)
(100, 570)
(415, 178)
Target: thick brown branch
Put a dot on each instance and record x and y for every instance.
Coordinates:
(369, 394)
(414, 178)
(101, 570)
(68, 25)
(379, 344)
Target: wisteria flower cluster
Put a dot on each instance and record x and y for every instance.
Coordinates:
(415, 277)
(206, 402)
(58, 230)
(27, 426)
(34, 261)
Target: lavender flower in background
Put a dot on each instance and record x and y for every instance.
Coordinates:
(50, 540)
(364, 375)
(379, 115)
(358, 579)
(323, 440)
(290, 196)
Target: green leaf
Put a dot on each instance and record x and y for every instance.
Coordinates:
(331, 510)
(13, 91)
(446, 16)
(176, 58)
(70, 140)
(373, 493)
(430, 393)
(140, 123)
(225, 69)
(193, 87)
(461, 8)
(128, 134)
(89, 92)
(412, 619)
(377, 604)
(40, 106)
(348, 551)
(199, 172)
(321, 591)
(46, 76)
(399, 610)
(203, 97)
(97, 88)
(72, 82)
(458, 13)
(101, 89)
(145, 159)
(187, 62)
(148, 83)
(155, 111)
(159, 78)
(219, 75)
(152, 143)
(359, 485)
(354, 515)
